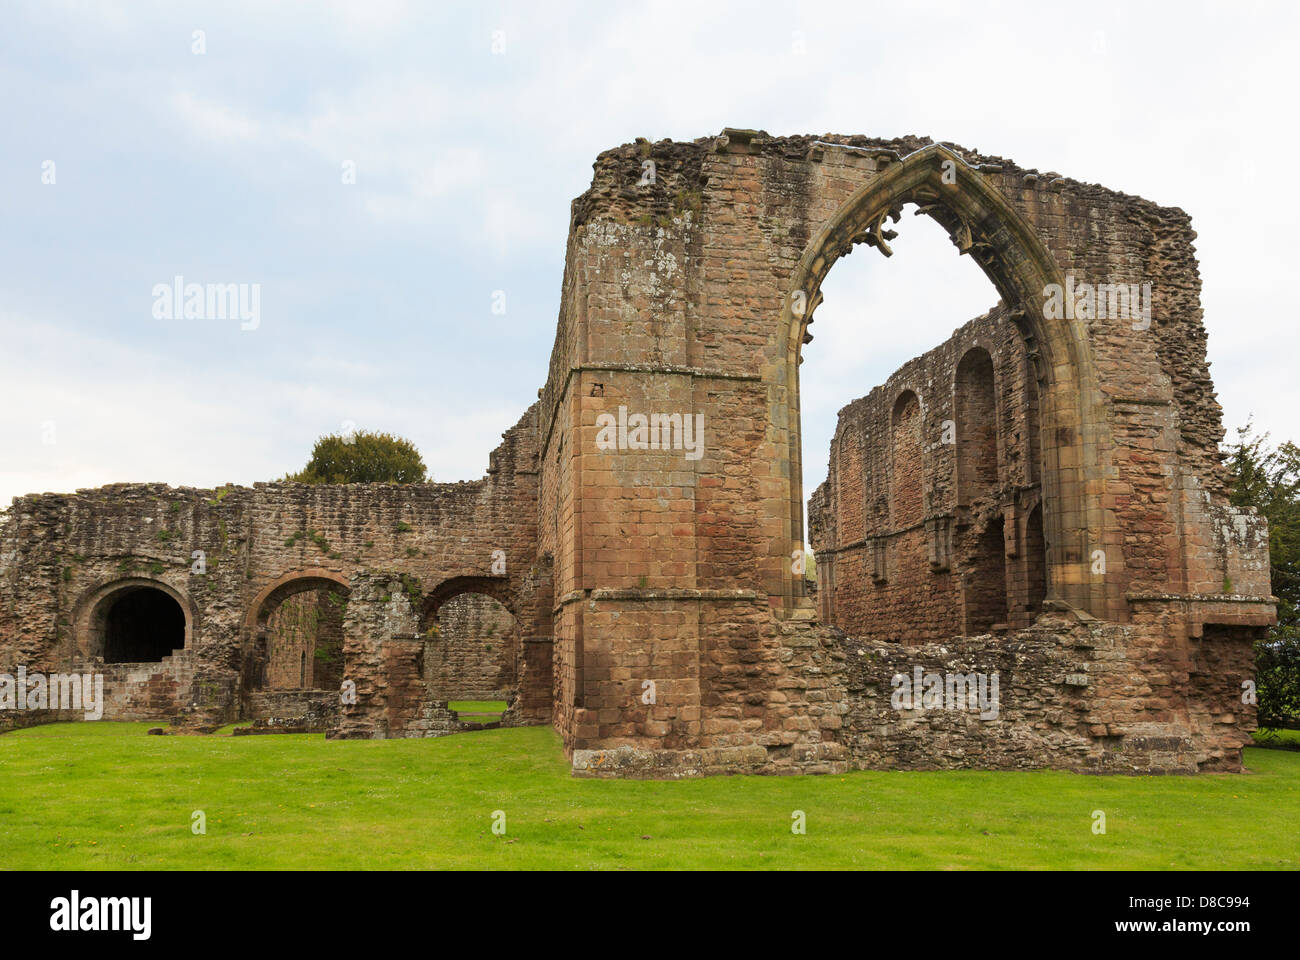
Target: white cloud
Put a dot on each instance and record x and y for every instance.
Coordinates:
(482, 154)
(213, 121)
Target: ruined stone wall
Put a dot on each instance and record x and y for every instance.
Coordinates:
(658, 576)
(932, 485)
(389, 690)
(1065, 696)
(292, 711)
(230, 556)
(533, 702)
(692, 292)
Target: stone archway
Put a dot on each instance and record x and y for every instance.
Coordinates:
(256, 658)
(311, 578)
(983, 224)
(534, 693)
(498, 588)
(110, 616)
(473, 640)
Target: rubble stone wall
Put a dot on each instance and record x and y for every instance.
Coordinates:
(929, 523)
(233, 556)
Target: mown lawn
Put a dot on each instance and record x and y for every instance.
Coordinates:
(1279, 739)
(478, 711)
(106, 795)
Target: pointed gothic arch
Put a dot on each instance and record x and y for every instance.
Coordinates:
(983, 224)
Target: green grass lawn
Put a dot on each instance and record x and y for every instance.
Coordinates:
(226, 731)
(106, 795)
(479, 711)
(1280, 739)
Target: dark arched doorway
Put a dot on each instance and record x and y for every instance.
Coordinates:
(138, 625)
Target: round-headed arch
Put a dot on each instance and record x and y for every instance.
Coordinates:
(495, 587)
(907, 460)
(286, 586)
(982, 223)
(158, 607)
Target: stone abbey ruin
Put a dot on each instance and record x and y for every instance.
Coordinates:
(1036, 507)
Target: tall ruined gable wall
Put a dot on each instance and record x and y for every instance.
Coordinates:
(678, 297)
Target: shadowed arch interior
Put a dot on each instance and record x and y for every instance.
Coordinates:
(144, 614)
(140, 625)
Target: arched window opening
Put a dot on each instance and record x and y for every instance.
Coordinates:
(908, 468)
(1035, 563)
(926, 469)
(975, 407)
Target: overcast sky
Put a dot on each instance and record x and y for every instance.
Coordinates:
(227, 166)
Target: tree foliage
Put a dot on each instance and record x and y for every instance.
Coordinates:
(1268, 478)
(362, 457)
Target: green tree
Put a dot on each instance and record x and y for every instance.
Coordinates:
(362, 457)
(1268, 479)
